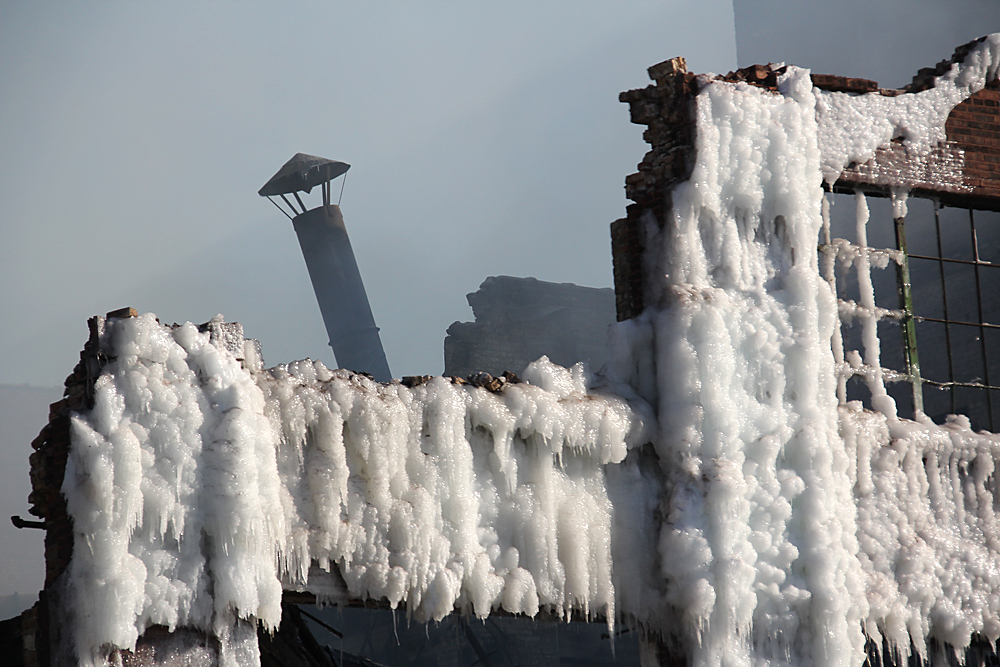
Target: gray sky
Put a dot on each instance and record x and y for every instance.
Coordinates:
(485, 138)
(883, 40)
(23, 412)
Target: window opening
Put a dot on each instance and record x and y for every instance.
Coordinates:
(945, 302)
(860, 258)
(970, 317)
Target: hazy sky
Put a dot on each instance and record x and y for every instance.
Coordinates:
(485, 138)
(23, 412)
(883, 40)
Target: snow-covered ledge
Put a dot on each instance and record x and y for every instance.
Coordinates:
(200, 485)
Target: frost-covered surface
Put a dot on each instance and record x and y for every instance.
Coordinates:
(790, 524)
(794, 525)
(446, 494)
(172, 484)
(197, 487)
(853, 127)
(758, 547)
(928, 528)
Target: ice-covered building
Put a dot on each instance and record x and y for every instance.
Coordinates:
(800, 525)
(765, 472)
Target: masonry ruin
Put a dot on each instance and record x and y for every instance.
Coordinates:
(762, 497)
(518, 320)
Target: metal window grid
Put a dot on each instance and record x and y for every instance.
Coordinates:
(909, 318)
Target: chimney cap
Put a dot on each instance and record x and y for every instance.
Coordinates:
(301, 174)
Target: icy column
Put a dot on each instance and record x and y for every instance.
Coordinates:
(759, 547)
(881, 401)
(172, 486)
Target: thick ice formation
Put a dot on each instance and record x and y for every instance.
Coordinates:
(759, 543)
(173, 487)
(765, 505)
(198, 486)
(791, 525)
(853, 127)
(928, 528)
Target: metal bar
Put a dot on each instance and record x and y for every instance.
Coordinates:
(323, 625)
(484, 658)
(21, 523)
(955, 261)
(972, 385)
(909, 325)
(279, 208)
(985, 325)
(944, 301)
(290, 204)
(823, 246)
(979, 307)
(826, 249)
(299, 200)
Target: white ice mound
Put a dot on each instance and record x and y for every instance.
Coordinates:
(758, 548)
(197, 487)
(853, 127)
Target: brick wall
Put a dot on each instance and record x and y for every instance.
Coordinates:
(665, 109)
(964, 171)
(974, 127)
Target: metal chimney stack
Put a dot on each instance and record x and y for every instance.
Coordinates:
(330, 260)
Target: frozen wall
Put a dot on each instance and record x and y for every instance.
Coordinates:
(772, 524)
(199, 485)
(794, 525)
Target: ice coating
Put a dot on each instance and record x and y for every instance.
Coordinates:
(759, 547)
(197, 487)
(853, 127)
(928, 529)
(173, 488)
(444, 495)
(795, 528)
(791, 527)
